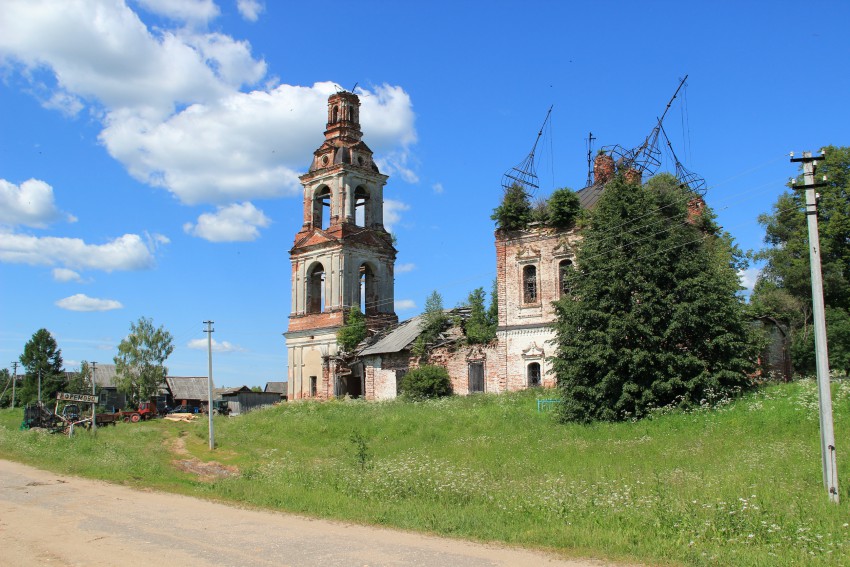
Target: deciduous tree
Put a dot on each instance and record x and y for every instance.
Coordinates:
(139, 366)
(353, 331)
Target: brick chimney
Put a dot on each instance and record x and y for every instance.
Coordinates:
(632, 176)
(695, 208)
(603, 169)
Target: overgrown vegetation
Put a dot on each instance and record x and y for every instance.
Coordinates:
(426, 382)
(139, 365)
(434, 320)
(732, 482)
(516, 212)
(784, 286)
(480, 327)
(653, 317)
(353, 331)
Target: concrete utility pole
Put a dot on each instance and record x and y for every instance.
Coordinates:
(14, 380)
(827, 433)
(209, 333)
(94, 405)
(39, 386)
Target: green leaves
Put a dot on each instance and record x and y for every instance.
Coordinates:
(141, 356)
(42, 357)
(653, 317)
(354, 330)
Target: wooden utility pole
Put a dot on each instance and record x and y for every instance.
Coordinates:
(827, 432)
(14, 380)
(94, 405)
(209, 333)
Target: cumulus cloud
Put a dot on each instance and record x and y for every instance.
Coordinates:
(66, 275)
(392, 212)
(176, 103)
(30, 203)
(748, 278)
(250, 9)
(183, 10)
(404, 268)
(404, 304)
(233, 223)
(128, 252)
(82, 302)
(223, 346)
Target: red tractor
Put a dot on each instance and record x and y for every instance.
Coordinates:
(147, 410)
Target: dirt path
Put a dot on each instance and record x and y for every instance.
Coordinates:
(50, 519)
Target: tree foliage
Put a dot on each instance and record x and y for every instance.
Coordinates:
(564, 208)
(139, 366)
(434, 320)
(653, 317)
(480, 328)
(426, 382)
(515, 210)
(353, 331)
(43, 357)
(784, 287)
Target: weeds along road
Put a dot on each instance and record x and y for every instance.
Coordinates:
(51, 519)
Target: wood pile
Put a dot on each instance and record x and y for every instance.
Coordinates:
(181, 416)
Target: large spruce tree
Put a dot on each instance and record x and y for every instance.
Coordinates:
(653, 317)
(42, 360)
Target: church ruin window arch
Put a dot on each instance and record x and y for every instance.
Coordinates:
(564, 268)
(316, 289)
(322, 201)
(533, 372)
(529, 284)
(362, 210)
(335, 114)
(369, 296)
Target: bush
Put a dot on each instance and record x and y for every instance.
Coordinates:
(426, 382)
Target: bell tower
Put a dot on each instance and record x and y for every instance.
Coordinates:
(342, 256)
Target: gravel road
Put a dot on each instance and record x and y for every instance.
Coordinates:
(51, 519)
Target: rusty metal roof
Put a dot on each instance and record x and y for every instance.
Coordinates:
(397, 339)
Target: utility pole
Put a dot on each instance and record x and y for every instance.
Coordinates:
(39, 386)
(827, 433)
(14, 380)
(94, 405)
(209, 333)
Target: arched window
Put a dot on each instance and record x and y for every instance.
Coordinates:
(369, 297)
(316, 289)
(533, 374)
(564, 267)
(362, 215)
(529, 284)
(335, 114)
(321, 201)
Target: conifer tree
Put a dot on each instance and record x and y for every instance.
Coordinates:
(42, 359)
(653, 317)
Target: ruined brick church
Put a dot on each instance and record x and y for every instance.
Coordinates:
(343, 256)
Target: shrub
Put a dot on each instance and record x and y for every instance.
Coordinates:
(425, 382)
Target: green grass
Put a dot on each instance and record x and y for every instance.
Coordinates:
(736, 484)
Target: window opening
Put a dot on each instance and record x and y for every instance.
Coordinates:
(335, 114)
(529, 284)
(534, 374)
(321, 201)
(361, 198)
(313, 386)
(564, 268)
(368, 290)
(316, 290)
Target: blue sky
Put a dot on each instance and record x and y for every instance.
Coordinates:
(149, 149)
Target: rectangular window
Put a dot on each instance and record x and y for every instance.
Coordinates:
(529, 284)
(313, 386)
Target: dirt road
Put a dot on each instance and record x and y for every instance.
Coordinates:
(50, 519)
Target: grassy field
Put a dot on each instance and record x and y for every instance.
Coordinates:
(736, 484)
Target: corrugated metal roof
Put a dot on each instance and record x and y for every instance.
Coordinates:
(188, 387)
(398, 338)
(588, 196)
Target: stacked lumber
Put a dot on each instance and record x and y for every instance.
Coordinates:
(181, 416)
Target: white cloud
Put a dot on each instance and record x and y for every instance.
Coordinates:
(184, 10)
(66, 275)
(223, 346)
(82, 302)
(404, 268)
(438, 188)
(233, 223)
(392, 212)
(126, 252)
(29, 204)
(748, 278)
(172, 101)
(250, 9)
(404, 304)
